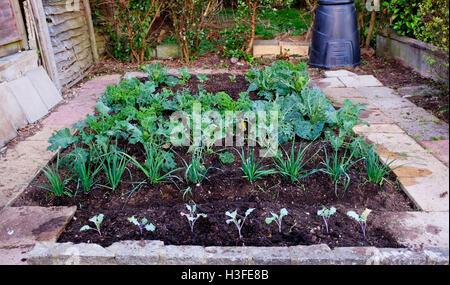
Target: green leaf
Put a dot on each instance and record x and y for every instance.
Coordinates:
(63, 139)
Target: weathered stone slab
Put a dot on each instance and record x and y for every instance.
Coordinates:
(339, 101)
(266, 48)
(374, 116)
(378, 128)
(21, 164)
(168, 51)
(311, 255)
(360, 81)
(175, 255)
(24, 226)
(48, 253)
(14, 256)
(339, 73)
(217, 255)
(440, 149)
(418, 229)
(426, 131)
(135, 74)
(15, 66)
(384, 98)
(410, 114)
(423, 178)
(295, 48)
(272, 256)
(332, 82)
(137, 252)
(44, 86)
(7, 131)
(349, 93)
(10, 108)
(28, 99)
(353, 255)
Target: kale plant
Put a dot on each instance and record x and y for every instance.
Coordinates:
(237, 219)
(143, 224)
(326, 214)
(277, 218)
(97, 220)
(362, 220)
(192, 216)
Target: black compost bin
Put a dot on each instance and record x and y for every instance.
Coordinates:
(335, 40)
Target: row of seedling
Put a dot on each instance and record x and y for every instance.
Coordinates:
(233, 218)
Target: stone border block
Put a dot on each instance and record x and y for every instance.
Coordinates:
(137, 252)
(319, 254)
(217, 255)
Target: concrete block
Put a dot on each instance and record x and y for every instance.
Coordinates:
(28, 98)
(295, 48)
(15, 66)
(168, 51)
(263, 48)
(44, 86)
(10, 108)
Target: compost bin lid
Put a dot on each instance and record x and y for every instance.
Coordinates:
(333, 2)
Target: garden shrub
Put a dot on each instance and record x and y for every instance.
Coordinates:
(435, 17)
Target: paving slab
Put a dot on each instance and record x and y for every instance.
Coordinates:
(384, 98)
(378, 128)
(24, 226)
(410, 114)
(28, 99)
(360, 81)
(332, 82)
(349, 93)
(14, 256)
(374, 116)
(44, 86)
(423, 177)
(339, 73)
(417, 229)
(440, 149)
(19, 166)
(425, 131)
(10, 108)
(339, 101)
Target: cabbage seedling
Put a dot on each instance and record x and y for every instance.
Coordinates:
(192, 216)
(97, 220)
(277, 218)
(239, 222)
(360, 219)
(142, 225)
(326, 214)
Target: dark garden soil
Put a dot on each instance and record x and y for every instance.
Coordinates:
(226, 190)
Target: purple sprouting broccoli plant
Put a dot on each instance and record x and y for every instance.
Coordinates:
(143, 224)
(192, 216)
(326, 214)
(239, 222)
(97, 220)
(360, 219)
(277, 218)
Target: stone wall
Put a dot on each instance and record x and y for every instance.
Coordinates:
(415, 54)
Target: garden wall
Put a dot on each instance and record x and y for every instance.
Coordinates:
(415, 54)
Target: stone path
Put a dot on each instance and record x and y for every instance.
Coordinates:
(420, 143)
(21, 228)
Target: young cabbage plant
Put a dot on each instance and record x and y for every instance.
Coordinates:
(202, 78)
(97, 220)
(277, 218)
(192, 216)
(326, 214)
(184, 74)
(237, 219)
(232, 78)
(362, 220)
(143, 224)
